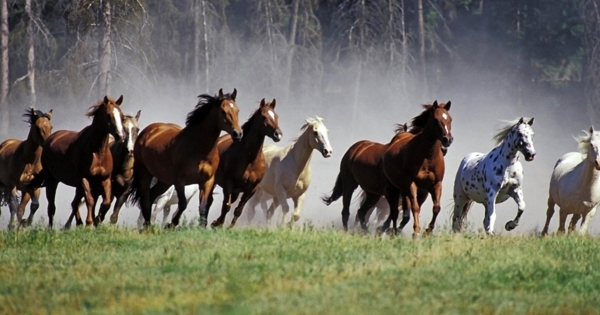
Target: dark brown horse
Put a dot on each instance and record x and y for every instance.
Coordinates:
(183, 156)
(411, 166)
(242, 164)
(122, 175)
(20, 164)
(83, 160)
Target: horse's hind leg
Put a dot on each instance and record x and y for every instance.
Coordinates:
(12, 206)
(75, 204)
(369, 202)
(114, 217)
(271, 210)
(225, 207)
(182, 205)
(348, 189)
(251, 204)
(51, 185)
(562, 219)
(549, 214)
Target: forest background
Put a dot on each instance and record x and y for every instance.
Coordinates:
(363, 65)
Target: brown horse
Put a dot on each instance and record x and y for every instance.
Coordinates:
(122, 175)
(183, 156)
(242, 164)
(83, 160)
(411, 166)
(20, 163)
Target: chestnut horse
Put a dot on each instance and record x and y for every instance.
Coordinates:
(122, 175)
(83, 160)
(410, 166)
(242, 164)
(183, 156)
(20, 163)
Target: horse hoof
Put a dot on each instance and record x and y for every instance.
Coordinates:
(168, 226)
(416, 236)
(510, 225)
(216, 224)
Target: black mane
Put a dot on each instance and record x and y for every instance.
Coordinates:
(204, 106)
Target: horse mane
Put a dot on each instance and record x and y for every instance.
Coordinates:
(38, 113)
(417, 124)
(584, 140)
(248, 123)
(309, 122)
(204, 106)
(504, 131)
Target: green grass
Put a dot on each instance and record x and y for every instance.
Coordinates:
(246, 271)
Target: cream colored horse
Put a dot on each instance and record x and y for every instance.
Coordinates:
(288, 172)
(575, 184)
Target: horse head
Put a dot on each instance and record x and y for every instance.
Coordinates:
(443, 122)
(107, 114)
(593, 151)
(523, 139)
(319, 136)
(228, 115)
(131, 130)
(41, 126)
(270, 120)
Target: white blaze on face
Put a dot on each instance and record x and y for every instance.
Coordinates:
(445, 116)
(231, 104)
(129, 127)
(323, 135)
(271, 114)
(118, 121)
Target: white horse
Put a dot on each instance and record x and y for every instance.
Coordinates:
(494, 177)
(165, 201)
(575, 184)
(288, 171)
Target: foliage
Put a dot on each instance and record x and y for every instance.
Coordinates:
(110, 270)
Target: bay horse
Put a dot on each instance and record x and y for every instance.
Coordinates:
(20, 164)
(83, 160)
(242, 164)
(122, 174)
(575, 184)
(410, 166)
(184, 156)
(495, 176)
(288, 173)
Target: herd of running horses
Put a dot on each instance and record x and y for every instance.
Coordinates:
(165, 162)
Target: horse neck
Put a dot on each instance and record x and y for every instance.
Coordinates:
(208, 129)
(31, 146)
(427, 145)
(589, 172)
(98, 134)
(301, 152)
(252, 141)
(506, 151)
(122, 160)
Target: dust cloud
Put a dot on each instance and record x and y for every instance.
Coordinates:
(478, 108)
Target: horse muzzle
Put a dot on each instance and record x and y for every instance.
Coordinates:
(326, 152)
(277, 136)
(529, 157)
(237, 134)
(447, 141)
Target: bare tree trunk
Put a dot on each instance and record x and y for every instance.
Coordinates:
(291, 47)
(360, 52)
(106, 51)
(590, 13)
(206, 56)
(196, 11)
(4, 119)
(31, 54)
(422, 47)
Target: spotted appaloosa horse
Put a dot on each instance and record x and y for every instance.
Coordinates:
(575, 184)
(494, 177)
(20, 164)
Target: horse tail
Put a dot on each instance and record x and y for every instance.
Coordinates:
(337, 191)
(134, 197)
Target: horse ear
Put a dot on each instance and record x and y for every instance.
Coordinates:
(137, 116)
(221, 94)
(262, 103)
(120, 100)
(273, 103)
(234, 94)
(435, 104)
(521, 120)
(105, 99)
(49, 114)
(530, 122)
(592, 129)
(447, 107)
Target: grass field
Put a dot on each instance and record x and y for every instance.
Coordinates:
(279, 271)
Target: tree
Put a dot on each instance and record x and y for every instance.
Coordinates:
(4, 114)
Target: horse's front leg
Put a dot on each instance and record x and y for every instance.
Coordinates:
(203, 195)
(517, 194)
(114, 217)
(271, 209)
(285, 207)
(89, 201)
(436, 195)
(106, 200)
(586, 221)
(13, 201)
(34, 196)
(298, 203)
(574, 219)
(549, 214)
(240, 208)
(415, 209)
(490, 213)
(225, 207)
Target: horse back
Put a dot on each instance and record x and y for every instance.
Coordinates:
(363, 162)
(10, 164)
